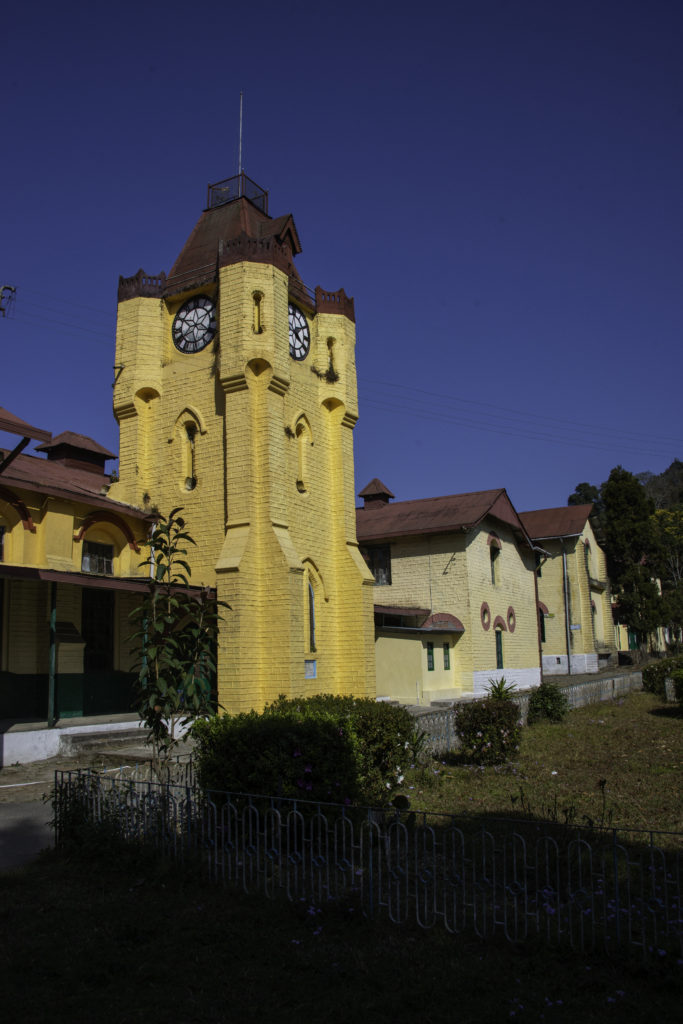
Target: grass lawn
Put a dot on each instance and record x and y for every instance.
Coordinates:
(617, 763)
(118, 936)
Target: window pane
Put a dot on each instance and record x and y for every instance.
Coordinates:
(97, 558)
(446, 656)
(430, 657)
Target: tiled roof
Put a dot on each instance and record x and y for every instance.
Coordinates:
(86, 444)
(546, 523)
(227, 223)
(375, 487)
(435, 515)
(13, 425)
(32, 473)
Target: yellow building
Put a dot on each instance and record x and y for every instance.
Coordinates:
(455, 600)
(236, 399)
(69, 578)
(575, 615)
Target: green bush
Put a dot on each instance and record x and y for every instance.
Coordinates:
(489, 730)
(547, 701)
(677, 676)
(655, 675)
(342, 749)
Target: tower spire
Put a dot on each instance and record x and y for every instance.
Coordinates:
(239, 161)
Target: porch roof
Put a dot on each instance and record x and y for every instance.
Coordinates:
(134, 584)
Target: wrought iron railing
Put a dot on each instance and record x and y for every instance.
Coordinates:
(616, 889)
(438, 723)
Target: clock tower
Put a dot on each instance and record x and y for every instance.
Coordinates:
(236, 399)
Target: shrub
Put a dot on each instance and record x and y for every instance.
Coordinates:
(547, 701)
(500, 689)
(656, 674)
(489, 730)
(342, 749)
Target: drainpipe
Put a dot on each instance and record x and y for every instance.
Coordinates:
(538, 612)
(565, 584)
(53, 657)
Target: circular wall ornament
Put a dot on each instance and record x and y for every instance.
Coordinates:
(512, 619)
(485, 616)
(299, 333)
(194, 325)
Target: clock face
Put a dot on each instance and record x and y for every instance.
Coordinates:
(299, 334)
(195, 324)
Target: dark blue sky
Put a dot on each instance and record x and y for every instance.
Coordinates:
(498, 184)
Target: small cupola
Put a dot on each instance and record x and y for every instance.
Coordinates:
(77, 452)
(375, 494)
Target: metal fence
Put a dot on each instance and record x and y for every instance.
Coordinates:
(613, 889)
(438, 723)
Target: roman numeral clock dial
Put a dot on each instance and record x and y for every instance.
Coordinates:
(299, 334)
(194, 325)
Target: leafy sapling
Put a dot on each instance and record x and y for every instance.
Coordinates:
(175, 643)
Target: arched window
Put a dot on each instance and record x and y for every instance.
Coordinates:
(188, 429)
(494, 554)
(499, 648)
(304, 441)
(494, 544)
(311, 617)
(257, 325)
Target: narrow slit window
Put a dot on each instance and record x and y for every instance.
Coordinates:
(311, 618)
(499, 648)
(446, 656)
(495, 554)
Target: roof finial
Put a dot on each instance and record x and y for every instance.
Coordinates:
(239, 161)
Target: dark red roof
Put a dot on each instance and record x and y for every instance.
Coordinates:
(227, 223)
(79, 441)
(436, 515)
(391, 609)
(546, 523)
(32, 473)
(13, 425)
(375, 487)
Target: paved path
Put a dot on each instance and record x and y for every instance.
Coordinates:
(24, 831)
(25, 809)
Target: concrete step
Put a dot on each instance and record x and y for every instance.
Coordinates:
(74, 744)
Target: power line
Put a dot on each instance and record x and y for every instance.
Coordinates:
(505, 431)
(498, 410)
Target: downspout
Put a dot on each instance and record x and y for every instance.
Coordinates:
(565, 585)
(538, 612)
(53, 657)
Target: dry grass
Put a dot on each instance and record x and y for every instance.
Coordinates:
(614, 763)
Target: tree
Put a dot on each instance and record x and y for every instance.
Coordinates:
(639, 602)
(665, 489)
(588, 494)
(629, 537)
(175, 642)
(668, 528)
(585, 494)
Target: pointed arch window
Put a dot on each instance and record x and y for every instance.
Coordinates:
(499, 648)
(304, 441)
(188, 429)
(311, 617)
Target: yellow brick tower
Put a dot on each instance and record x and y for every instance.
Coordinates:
(236, 398)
